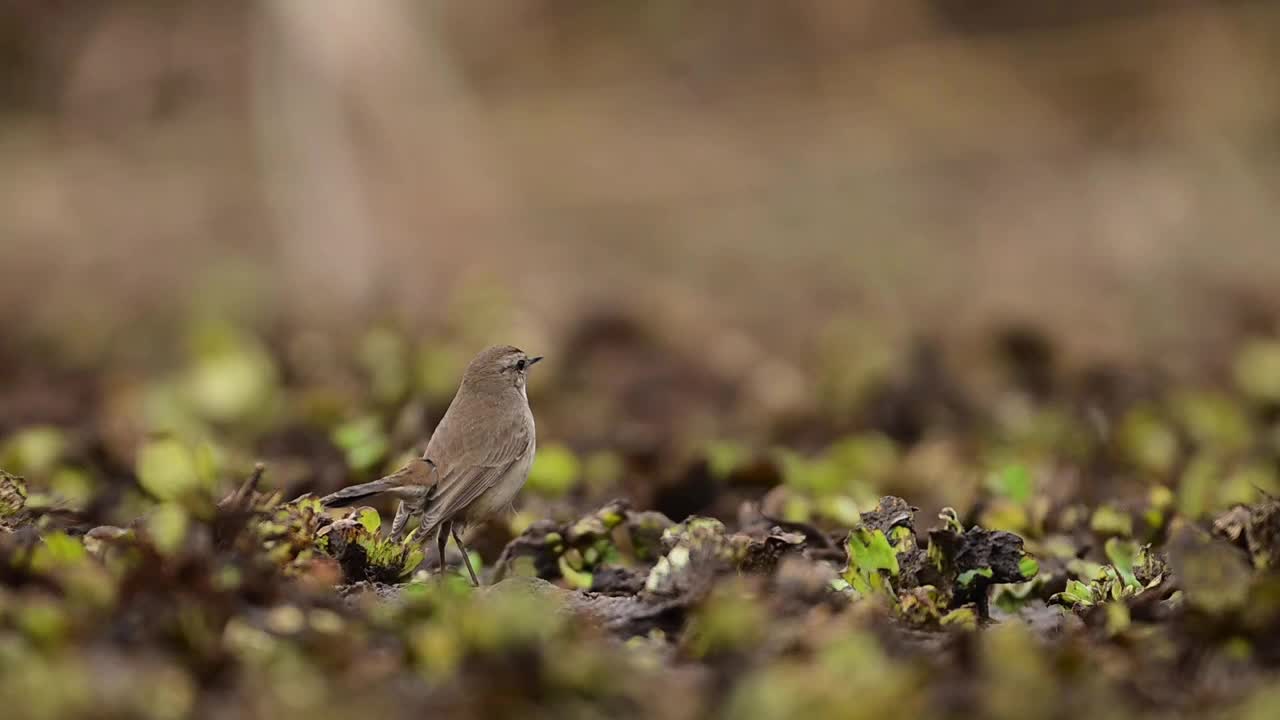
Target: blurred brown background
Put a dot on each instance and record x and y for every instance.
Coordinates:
(747, 172)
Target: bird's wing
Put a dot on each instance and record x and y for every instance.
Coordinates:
(472, 468)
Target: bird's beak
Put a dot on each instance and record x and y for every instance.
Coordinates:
(533, 361)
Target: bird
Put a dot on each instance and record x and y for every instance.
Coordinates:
(477, 460)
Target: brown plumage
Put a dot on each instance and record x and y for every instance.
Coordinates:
(478, 457)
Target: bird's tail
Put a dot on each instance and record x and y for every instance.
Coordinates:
(398, 484)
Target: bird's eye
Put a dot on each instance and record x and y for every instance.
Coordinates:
(520, 364)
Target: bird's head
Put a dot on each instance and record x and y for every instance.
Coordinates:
(500, 366)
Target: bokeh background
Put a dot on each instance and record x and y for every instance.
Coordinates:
(1104, 169)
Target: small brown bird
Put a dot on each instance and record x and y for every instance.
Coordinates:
(477, 460)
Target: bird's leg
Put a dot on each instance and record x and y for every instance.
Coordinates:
(400, 522)
(466, 556)
(442, 541)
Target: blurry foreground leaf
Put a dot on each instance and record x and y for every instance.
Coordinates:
(58, 550)
(167, 527)
(1214, 575)
(730, 621)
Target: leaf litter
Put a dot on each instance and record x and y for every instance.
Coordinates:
(1059, 570)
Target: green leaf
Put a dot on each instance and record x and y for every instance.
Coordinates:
(578, 578)
(870, 554)
(1028, 566)
(1077, 593)
(1124, 556)
(902, 539)
(871, 551)
(413, 557)
(967, 577)
(962, 617)
(1012, 596)
(371, 520)
(951, 519)
(387, 555)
